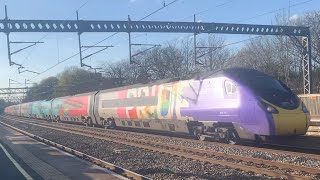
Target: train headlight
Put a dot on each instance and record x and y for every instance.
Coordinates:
(268, 108)
(304, 108)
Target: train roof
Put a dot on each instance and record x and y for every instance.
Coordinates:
(162, 81)
(82, 94)
(239, 73)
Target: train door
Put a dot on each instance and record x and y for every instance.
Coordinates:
(248, 108)
(165, 94)
(230, 103)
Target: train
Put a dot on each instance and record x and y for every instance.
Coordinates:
(230, 105)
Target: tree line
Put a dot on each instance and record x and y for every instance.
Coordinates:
(71, 81)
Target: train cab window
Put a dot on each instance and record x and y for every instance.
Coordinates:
(129, 123)
(230, 88)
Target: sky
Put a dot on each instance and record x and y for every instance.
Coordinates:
(59, 46)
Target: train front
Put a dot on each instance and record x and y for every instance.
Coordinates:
(283, 112)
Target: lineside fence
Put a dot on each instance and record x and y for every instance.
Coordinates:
(312, 101)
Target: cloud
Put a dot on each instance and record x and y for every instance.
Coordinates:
(294, 17)
(132, 1)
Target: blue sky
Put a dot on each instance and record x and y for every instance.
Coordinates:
(59, 46)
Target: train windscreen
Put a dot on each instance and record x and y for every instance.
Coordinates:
(273, 91)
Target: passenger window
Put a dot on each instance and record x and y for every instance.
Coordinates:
(230, 88)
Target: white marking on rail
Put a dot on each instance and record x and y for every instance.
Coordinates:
(23, 172)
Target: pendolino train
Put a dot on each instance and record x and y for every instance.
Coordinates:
(232, 104)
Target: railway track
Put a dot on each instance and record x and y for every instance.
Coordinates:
(245, 163)
(292, 146)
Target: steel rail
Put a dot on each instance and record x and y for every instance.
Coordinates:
(243, 147)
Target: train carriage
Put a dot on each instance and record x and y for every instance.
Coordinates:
(26, 109)
(41, 109)
(78, 108)
(138, 106)
(9, 110)
(16, 110)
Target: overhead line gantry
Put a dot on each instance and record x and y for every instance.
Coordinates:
(80, 26)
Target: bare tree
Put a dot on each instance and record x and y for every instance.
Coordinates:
(214, 55)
